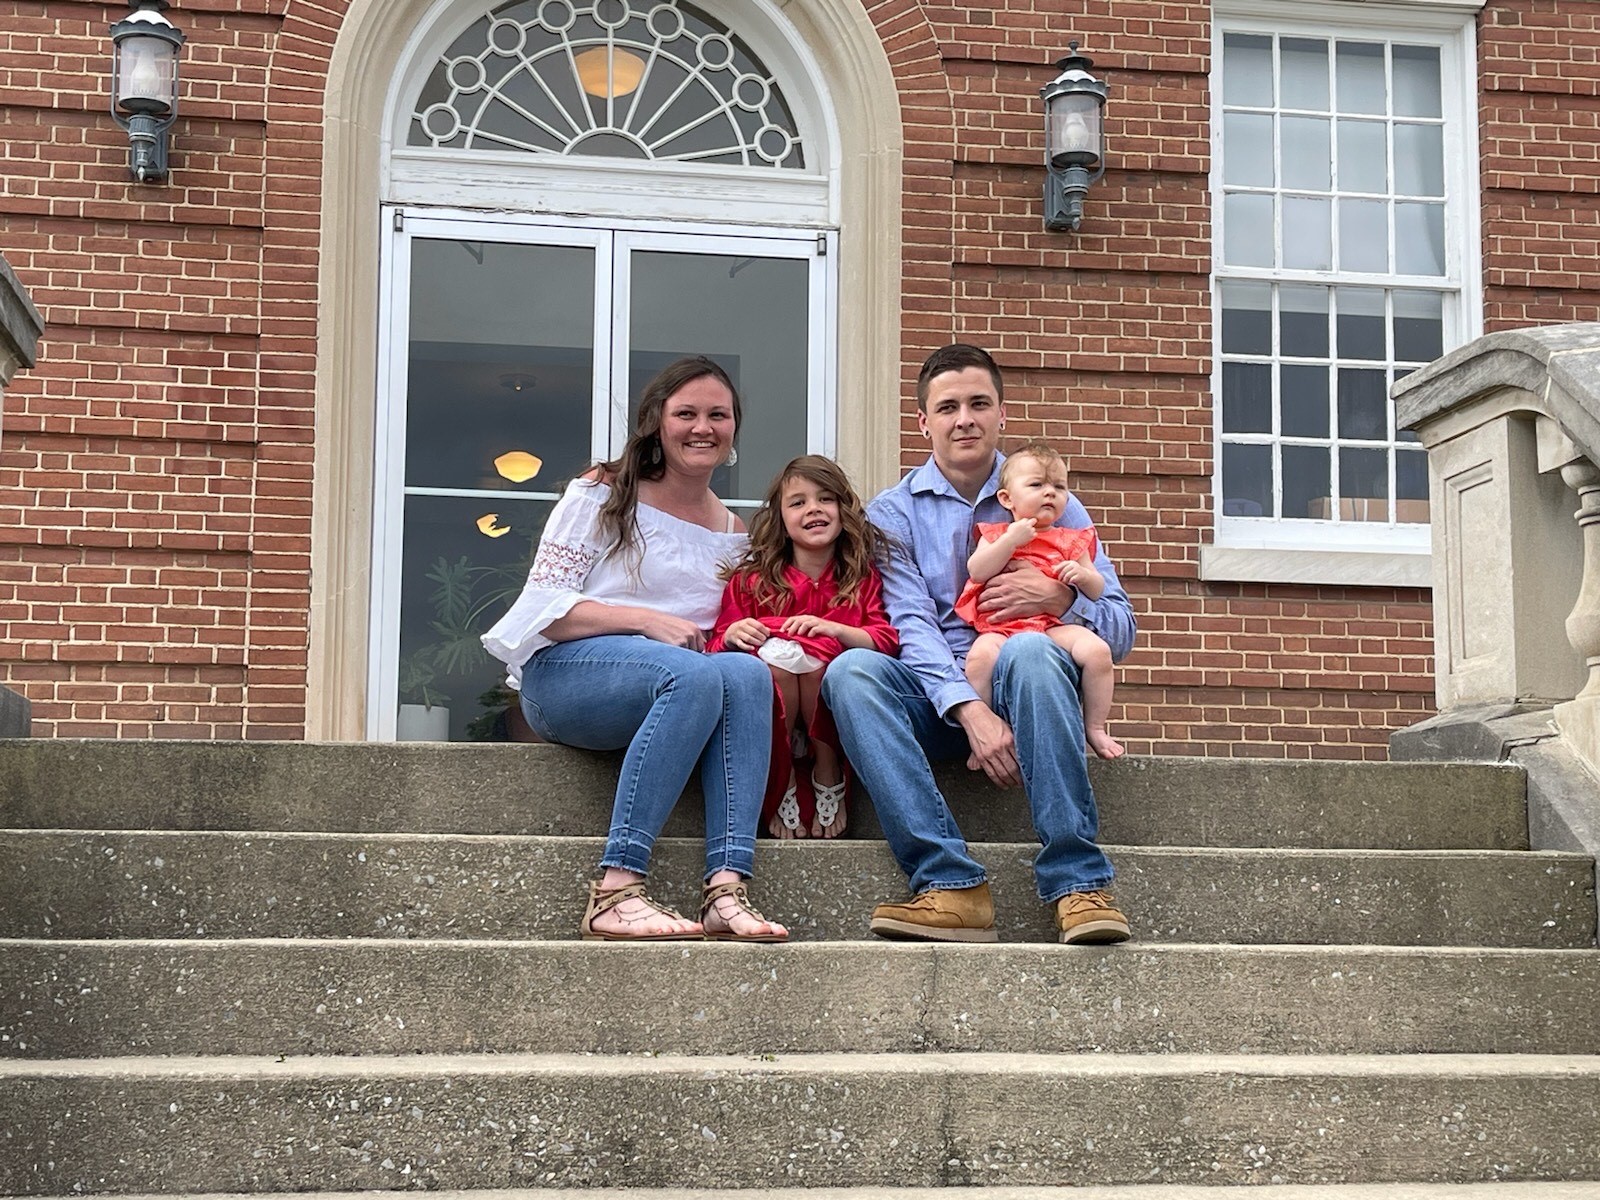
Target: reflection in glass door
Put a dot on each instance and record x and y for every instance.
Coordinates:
(512, 355)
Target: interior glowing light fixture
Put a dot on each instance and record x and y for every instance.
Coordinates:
(144, 84)
(518, 466)
(487, 526)
(609, 71)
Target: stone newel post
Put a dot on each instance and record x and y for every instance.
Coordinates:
(1512, 427)
(20, 327)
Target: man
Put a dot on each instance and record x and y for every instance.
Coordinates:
(894, 715)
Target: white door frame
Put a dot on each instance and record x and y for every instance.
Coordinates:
(612, 246)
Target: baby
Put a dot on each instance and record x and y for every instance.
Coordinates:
(1033, 489)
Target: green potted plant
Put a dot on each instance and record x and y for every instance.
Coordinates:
(465, 601)
(424, 714)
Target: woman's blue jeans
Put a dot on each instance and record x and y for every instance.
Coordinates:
(890, 730)
(672, 708)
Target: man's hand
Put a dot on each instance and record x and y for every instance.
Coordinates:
(746, 634)
(994, 749)
(1022, 590)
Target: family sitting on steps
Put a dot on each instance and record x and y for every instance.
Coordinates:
(853, 641)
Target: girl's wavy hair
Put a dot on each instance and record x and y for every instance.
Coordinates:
(642, 456)
(859, 548)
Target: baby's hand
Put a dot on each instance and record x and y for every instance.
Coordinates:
(1021, 531)
(747, 634)
(1071, 571)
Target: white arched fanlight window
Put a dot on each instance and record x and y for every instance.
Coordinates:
(578, 194)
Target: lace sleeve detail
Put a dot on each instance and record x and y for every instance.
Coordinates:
(561, 566)
(568, 551)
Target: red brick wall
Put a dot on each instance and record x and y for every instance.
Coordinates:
(155, 469)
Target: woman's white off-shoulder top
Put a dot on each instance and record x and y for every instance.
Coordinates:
(678, 572)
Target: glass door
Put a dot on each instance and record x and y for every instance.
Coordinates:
(512, 356)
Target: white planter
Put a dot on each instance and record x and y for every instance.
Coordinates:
(419, 723)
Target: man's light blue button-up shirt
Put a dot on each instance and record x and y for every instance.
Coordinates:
(930, 527)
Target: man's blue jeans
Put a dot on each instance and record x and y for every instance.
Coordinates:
(673, 709)
(890, 731)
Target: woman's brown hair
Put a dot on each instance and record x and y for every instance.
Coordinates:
(642, 456)
(859, 548)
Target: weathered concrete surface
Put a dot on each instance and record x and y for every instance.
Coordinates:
(88, 884)
(101, 999)
(1563, 795)
(255, 1125)
(505, 789)
(1335, 1191)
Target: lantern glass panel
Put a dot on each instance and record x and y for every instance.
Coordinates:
(146, 70)
(1074, 129)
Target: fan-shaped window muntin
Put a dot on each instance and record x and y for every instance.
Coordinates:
(610, 78)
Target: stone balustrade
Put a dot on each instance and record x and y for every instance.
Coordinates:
(20, 327)
(1512, 427)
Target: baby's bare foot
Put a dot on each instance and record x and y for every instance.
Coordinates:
(1103, 744)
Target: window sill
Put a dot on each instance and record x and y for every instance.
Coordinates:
(1352, 568)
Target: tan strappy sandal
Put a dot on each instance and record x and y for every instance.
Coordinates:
(724, 932)
(603, 899)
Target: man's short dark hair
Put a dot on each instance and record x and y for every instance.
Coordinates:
(956, 357)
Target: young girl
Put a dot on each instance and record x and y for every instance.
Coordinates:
(806, 590)
(1033, 489)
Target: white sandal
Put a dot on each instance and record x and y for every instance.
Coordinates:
(829, 798)
(789, 806)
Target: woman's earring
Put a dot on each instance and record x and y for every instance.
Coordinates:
(655, 452)
(733, 456)
(1002, 424)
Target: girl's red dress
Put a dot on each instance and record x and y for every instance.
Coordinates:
(1049, 549)
(810, 597)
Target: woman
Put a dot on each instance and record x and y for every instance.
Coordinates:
(606, 642)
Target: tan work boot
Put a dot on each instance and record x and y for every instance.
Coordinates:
(1089, 917)
(955, 915)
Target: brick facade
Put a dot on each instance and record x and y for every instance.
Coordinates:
(155, 473)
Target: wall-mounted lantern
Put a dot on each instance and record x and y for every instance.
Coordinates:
(144, 84)
(1075, 138)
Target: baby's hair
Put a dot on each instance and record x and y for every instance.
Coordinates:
(858, 548)
(1037, 451)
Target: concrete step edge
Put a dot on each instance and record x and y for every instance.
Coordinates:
(511, 841)
(832, 1065)
(1331, 1191)
(1467, 955)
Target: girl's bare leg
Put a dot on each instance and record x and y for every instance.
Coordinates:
(1096, 678)
(788, 685)
(826, 769)
(981, 659)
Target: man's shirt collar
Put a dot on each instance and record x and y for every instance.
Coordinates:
(928, 478)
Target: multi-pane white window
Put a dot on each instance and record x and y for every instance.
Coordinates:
(1343, 260)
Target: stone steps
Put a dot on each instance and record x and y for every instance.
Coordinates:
(252, 1124)
(277, 968)
(172, 884)
(87, 999)
(551, 790)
